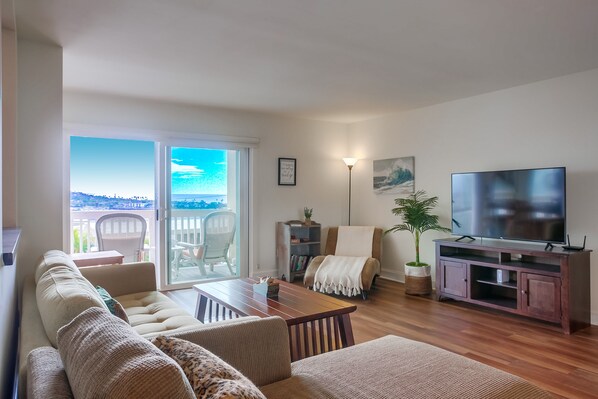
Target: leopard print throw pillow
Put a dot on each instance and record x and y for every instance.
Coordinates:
(210, 376)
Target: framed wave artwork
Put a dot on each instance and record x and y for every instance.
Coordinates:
(394, 176)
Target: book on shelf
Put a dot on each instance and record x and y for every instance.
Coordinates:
(299, 262)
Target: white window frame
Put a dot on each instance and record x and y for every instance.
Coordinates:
(162, 140)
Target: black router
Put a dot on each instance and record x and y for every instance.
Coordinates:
(570, 247)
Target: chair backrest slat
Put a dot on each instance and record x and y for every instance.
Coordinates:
(122, 232)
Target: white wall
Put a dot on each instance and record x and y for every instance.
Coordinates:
(39, 150)
(318, 147)
(9, 126)
(548, 123)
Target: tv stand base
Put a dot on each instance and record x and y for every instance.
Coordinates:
(463, 237)
(548, 247)
(552, 286)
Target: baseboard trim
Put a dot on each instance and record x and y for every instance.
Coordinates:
(594, 318)
(393, 276)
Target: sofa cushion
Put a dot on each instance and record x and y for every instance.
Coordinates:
(105, 358)
(153, 312)
(46, 377)
(210, 376)
(61, 295)
(52, 259)
(393, 367)
(114, 307)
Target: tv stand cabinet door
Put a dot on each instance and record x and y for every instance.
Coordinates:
(541, 296)
(453, 278)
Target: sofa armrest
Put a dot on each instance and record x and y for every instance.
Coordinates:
(46, 377)
(312, 268)
(128, 278)
(257, 348)
(32, 334)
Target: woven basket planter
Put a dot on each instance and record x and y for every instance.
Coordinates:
(418, 285)
(418, 280)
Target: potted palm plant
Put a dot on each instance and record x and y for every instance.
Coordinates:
(415, 210)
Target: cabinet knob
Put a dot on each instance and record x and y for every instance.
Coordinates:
(524, 292)
(465, 279)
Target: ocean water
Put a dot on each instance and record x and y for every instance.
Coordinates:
(199, 197)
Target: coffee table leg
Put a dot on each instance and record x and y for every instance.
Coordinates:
(346, 331)
(200, 309)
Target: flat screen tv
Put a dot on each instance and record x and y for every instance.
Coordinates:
(526, 204)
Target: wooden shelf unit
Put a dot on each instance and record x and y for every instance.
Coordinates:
(552, 286)
(287, 252)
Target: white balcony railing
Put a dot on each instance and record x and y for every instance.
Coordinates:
(185, 226)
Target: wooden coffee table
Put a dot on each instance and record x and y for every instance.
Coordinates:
(317, 323)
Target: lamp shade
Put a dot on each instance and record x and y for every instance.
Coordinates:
(350, 161)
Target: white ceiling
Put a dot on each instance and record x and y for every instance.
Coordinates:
(338, 60)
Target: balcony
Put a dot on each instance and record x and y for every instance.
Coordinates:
(185, 226)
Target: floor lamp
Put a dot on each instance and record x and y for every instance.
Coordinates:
(350, 162)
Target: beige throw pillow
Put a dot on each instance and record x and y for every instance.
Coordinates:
(210, 376)
(105, 358)
(61, 296)
(52, 259)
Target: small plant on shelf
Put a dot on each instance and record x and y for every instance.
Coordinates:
(307, 212)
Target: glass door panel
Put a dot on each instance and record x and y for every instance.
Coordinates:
(112, 192)
(203, 214)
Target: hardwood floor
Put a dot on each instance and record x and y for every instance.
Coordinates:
(565, 365)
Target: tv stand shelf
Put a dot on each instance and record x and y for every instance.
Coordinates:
(549, 285)
(506, 284)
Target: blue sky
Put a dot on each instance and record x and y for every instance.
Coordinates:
(198, 171)
(126, 168)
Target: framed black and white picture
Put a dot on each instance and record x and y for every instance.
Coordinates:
(287, 171)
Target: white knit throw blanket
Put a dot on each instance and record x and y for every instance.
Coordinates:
(340, 275)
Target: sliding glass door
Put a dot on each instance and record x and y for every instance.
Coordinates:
(205, 208)
(186, 205)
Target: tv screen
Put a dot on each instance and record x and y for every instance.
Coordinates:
(511, 204)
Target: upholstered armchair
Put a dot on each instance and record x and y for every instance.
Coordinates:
(370, 271)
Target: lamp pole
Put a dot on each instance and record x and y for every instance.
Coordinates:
(350, 169)
(350, 162)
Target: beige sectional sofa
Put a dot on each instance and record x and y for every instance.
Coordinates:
(390, 367)
(59, 290)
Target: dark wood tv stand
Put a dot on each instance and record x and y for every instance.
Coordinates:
(552, 285)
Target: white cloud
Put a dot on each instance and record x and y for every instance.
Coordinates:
(186, 169)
